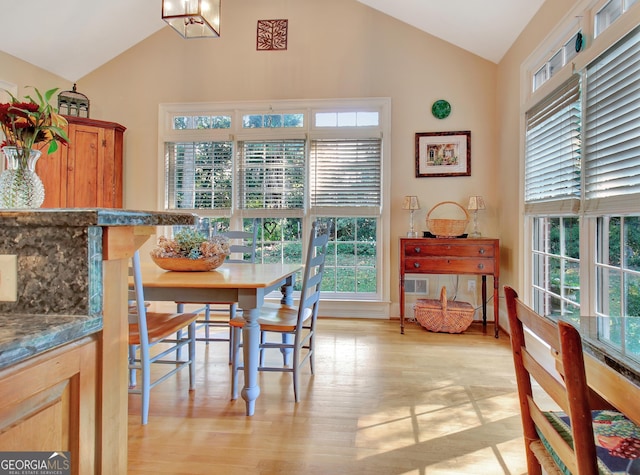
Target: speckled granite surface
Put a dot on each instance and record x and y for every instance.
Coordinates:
(24, 336)
(59, 254)
(92, 217)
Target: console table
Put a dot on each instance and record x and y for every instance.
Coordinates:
(452, 256)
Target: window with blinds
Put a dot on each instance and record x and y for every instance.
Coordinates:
(582, 184)
(199, 175)
(553, 144)
(612, 128)
(346, 174)
(272, 175)
(288, 164)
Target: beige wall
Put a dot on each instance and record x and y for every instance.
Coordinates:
(336, 49)
(509, 125)
(22, 74)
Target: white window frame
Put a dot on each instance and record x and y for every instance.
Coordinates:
(309, 132)
(583, 13)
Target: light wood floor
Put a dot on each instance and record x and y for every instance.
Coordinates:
(379, 403)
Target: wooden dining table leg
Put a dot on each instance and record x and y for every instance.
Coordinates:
(251, 351)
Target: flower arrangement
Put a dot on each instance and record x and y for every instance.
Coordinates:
(32, 124)
(191, 244)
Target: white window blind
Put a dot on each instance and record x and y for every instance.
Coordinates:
(272, 175)
(198, 175)
(552, 163)
(612, 129)
(346, 174)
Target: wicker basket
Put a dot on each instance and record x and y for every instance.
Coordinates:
(442, 316)
(182, 264)
(447, 227)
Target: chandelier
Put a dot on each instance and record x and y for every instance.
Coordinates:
(193, 18)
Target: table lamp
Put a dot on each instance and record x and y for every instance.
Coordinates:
(475, 203)
(411, 203)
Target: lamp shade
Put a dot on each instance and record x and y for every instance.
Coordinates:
(410, 202)
(193, 18)
(476, 202)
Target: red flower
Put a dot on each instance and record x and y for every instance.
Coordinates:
(32, 123)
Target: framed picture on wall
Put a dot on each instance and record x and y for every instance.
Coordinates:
(443, 154)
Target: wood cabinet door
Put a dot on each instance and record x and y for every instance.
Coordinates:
(52, 170)
(85, 166)
(49, 404)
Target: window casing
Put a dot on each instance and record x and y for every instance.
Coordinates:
(287, 165)
(584, 233)
(561, 58)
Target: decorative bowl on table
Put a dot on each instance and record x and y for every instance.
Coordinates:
(184, 264)
(190, 251)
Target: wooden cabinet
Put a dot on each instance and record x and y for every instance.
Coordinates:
(48, 403)
(89, 172)
(452, 256)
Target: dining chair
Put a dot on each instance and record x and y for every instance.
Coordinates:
(148, 329)
(583, 435)
(295, 325)
(242, 251)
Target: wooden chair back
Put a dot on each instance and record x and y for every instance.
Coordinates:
(312, 275)
(561, 375)
(293, 323)
(242, 243)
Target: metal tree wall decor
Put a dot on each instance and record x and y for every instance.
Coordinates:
(272, 35)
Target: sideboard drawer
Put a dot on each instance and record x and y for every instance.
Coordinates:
(452, 256)
(449, 265)
(431, 247)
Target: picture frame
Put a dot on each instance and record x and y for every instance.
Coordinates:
(271, 35)
(442, 154)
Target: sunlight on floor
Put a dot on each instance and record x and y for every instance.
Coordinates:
(380, 403)
(467, 423)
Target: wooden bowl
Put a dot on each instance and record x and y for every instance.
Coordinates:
(182, 264)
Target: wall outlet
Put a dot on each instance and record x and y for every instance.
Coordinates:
(471, 285)
(8, 278)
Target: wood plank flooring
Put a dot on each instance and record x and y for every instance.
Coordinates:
(379, 403)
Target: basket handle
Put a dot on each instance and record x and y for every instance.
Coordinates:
(443, 298)
(466, 213)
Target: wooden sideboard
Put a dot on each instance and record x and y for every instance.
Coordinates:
(452, 256)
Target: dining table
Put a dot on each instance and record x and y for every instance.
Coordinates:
(247, 284)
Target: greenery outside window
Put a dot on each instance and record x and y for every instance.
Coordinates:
(351, 261)
(556, 267)
(618, 271)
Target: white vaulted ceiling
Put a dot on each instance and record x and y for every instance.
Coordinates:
(487, 28)
(78, 36)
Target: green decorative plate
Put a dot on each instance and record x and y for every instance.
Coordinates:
(441, 109)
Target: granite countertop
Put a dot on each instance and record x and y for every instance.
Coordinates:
(74, 217)
(59, 254)
(24, 336)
